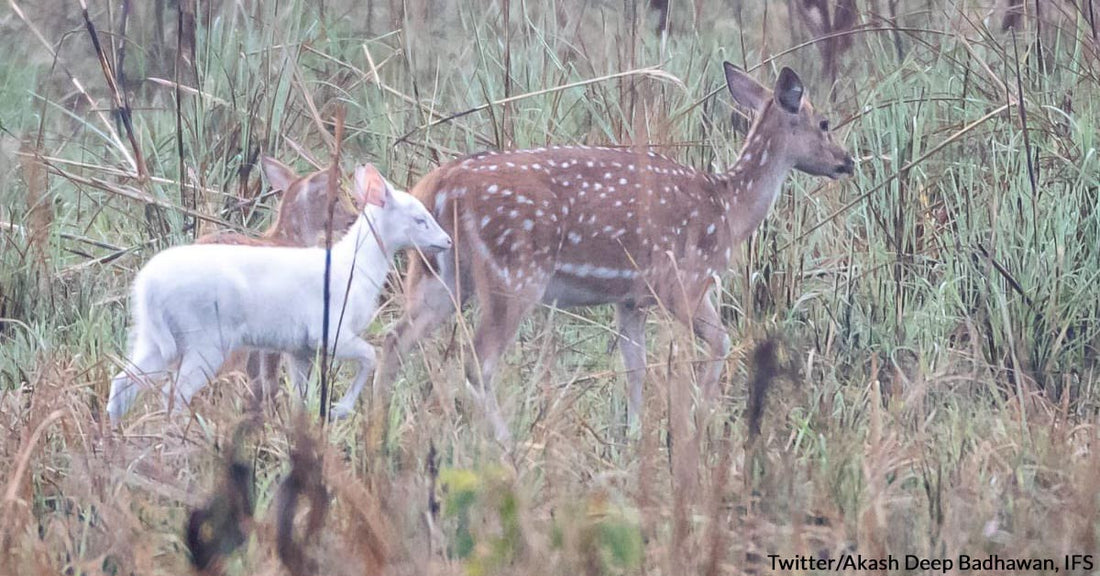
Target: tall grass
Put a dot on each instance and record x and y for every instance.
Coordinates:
(933, 320)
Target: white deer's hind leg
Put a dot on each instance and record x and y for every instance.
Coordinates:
(197, 367)
(146, 362)
(358, 349)
(631, 321)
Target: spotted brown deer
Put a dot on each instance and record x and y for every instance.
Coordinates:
(579, 226)
(300, 221)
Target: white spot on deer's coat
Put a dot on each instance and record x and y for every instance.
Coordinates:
(574, 237)
(536, 166)
(597, 186)
(514, 214)
(492, 189)
(485, 221)
(710, 229)
(764, 158)
(622, 181)
(539, 213)
(528, 225)
(746, 156)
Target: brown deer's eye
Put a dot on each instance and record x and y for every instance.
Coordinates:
(824, 125)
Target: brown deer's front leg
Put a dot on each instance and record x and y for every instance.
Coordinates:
(702, 318)
(708, 326)
(429, 303)
(499, 318)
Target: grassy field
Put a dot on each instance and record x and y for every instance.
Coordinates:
(917, 346)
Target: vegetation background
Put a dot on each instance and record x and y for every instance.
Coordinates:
(915, 367)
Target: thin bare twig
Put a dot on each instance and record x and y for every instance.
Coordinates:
(122, 102)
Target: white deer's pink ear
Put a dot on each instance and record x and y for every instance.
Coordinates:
(369, 186)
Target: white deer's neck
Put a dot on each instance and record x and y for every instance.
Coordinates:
(360, 250)
(753, 184)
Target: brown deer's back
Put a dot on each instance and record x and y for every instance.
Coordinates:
(604, 220)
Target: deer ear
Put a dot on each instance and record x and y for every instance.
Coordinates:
(369, 187)
(788, 90)
(745, 91)
(279, 176)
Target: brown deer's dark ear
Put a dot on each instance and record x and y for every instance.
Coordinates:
(745, 91)
(279, 176)
(788, 90)
(369, 187)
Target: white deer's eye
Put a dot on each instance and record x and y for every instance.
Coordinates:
(422, 222)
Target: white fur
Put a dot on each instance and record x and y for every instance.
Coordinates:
(194, 304)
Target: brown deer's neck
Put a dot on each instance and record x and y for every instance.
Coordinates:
(752, 185)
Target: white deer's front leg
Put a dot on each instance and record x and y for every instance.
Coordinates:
(354, 348)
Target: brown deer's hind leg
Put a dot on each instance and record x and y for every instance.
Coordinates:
(631, 322)
(263, 374)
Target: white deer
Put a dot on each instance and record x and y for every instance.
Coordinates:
(300, 221)
(195, 304)
(580, 226)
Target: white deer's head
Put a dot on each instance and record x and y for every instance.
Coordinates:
(400, 220)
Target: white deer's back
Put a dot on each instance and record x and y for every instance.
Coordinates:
(237, 295)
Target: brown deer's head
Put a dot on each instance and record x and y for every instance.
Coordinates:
(793, 132)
